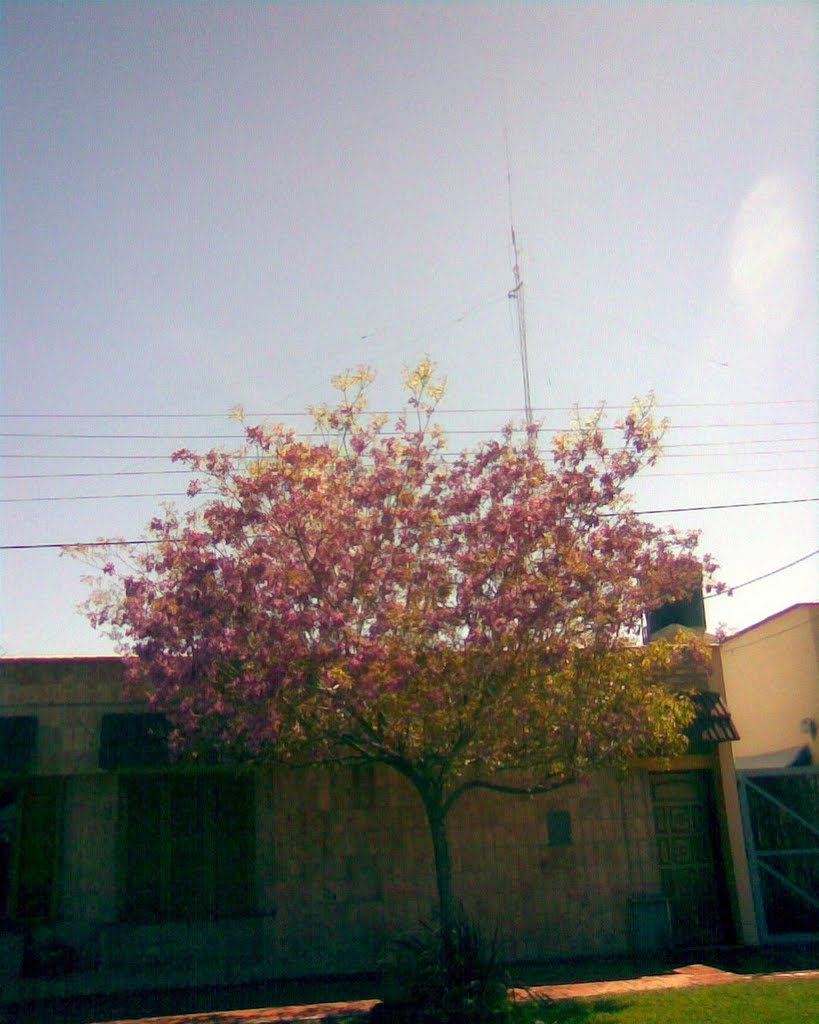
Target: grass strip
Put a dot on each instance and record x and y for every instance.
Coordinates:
(793, 1001)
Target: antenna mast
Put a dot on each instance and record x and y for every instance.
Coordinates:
(516, 295)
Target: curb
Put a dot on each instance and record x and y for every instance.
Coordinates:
(692, 976)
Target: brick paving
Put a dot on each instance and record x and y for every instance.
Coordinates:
(681, 977)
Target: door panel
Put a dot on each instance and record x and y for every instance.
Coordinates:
(688, 849)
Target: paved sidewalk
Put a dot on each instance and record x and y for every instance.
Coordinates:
(681, 977)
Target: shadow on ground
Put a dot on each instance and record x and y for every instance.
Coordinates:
(736, 959)
(167, 1002)
(580, 1012)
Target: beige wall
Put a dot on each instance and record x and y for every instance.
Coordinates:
(733, 844)
(771, 677)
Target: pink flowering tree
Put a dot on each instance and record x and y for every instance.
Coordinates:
(469, 620)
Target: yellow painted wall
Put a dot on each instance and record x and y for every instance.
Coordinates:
(770, 672)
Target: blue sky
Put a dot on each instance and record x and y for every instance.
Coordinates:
(212, 204)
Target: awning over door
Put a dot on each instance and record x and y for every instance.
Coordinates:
(712, 722)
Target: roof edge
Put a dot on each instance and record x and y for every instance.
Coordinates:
(769, 618)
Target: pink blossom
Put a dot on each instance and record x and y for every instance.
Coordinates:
(367, 595)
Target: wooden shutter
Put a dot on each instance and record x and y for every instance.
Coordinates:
(141, 838)
(8, 838)
(18, 739)
(187, 883)
(39, 806)
(187, 847)
(133, 740)
(231, 842)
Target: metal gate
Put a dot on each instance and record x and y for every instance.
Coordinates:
(780, 817)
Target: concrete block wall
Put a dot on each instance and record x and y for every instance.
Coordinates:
(69, 696)
(556, 900)
(343, 862)
(336, 882)
(343, 858)
(356, 876)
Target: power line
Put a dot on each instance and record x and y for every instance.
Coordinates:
(737, 456)
(604, 515)
(98, 497)
(62, 435)
(119, 472)
(395, 412)
(765, 575)
(725, 442)
(650, 475)
(131, 437)
(752, 440)
(713, 508)
(77, 544)
(188, 472)
(87, 458)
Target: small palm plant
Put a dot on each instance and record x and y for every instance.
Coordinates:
(451, 976)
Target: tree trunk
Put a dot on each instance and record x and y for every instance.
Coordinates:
(433, 802)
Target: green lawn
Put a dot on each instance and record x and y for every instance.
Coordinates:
(752, 1002)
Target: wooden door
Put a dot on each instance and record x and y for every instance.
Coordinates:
(691, 866)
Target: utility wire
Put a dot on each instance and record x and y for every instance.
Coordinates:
(648, 475)
(78, 544)
(712, 508)
(723, 443)
(118, 472)
(604, 515)
(386, 433)
(765, 575)
(391, 412)
(99, 497)
(188, 472)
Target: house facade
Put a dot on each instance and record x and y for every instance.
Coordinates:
(770, 674)
(120, 871)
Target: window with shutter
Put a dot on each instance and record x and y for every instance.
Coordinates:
(30, 814)
(187, 845)
(18, 739)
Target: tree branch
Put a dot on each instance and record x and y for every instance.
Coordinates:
(500, 787)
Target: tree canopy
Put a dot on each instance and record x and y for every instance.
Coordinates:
(470, 619)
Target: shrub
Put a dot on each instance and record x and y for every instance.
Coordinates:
(449, 976)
